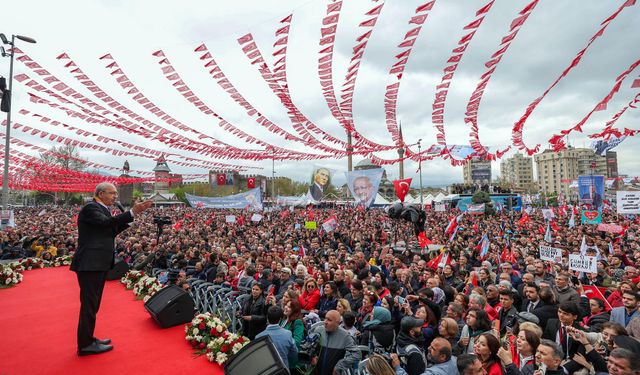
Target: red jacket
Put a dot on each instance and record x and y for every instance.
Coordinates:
(309, 301)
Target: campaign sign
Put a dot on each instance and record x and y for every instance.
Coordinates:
(610, 228)
(310, 224)
(583, 263)
(230, 218)
(591, 217)
(628, 202)
(551, 254)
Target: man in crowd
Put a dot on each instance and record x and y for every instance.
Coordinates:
(338, 350)
(282, 338)
(624, 314)
(440, 356)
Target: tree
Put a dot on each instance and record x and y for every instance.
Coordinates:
(484, 197)
(137, 195)
(66, 157)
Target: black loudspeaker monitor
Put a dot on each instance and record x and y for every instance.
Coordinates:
(259, 357)
(171, 306)
(120, 268)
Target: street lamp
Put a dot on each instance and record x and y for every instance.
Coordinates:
(5, 177)
(420, 169)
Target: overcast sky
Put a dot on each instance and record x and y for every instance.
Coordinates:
(132, 30)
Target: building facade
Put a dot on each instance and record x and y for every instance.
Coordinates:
(556, 170)
(517, 171)
(477, 172)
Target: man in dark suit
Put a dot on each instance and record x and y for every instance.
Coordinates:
(558, 330)
(97, 231)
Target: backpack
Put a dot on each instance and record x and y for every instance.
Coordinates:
(405, 352)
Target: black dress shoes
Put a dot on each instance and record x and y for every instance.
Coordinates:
(95, 348)
(103, 341)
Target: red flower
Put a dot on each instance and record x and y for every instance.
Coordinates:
(224, 348)
(202, 345)
(213, 332)
(189, 325)
(241, 339)
(201, 326)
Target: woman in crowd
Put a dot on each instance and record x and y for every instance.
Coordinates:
(594, 322)
(254, 319)
(329, 300)
(527, 343)
(310, 296)
(615, 299)
(292, 321)
(429, 329)
(486, 348)
(477, 323)
(448, 329)
(368, 302)
(343, 306)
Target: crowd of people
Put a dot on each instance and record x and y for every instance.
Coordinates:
(370, 283)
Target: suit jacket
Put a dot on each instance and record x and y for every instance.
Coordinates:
(545, 313)
(618, 314)
(551, 331)
(316, 191)
(97, 231)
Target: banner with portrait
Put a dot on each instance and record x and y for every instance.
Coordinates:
(591, 191)
(251, 199)
(320, 181)
(364, 184)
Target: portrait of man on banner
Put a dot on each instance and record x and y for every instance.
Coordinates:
(364, 185)
(320, 180)
(591, 191)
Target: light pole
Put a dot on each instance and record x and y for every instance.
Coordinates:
(5, 177)
(420, 169)
(273, 177)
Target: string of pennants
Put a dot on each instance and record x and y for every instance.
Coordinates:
(103, 110)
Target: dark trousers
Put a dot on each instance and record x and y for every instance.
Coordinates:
(91, 287)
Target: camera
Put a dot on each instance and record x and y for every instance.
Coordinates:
(309, 348)
(161, 220)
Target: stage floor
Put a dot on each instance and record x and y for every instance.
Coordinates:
(38, 322)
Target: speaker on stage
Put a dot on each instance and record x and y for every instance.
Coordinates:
(120, 268)
(259, 357)
(171, 306)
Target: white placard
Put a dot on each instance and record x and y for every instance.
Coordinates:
(230, 218)
(550, 254)
(440, 207)
(256, 217)
(628, 202)
(583, 263)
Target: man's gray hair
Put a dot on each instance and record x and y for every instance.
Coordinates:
(480, 300)
(557, 350)
(633, 358)
(103, 186)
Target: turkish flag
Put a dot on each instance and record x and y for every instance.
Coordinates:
(423, 240)
(221, 178)
(592, 291)
(251, 183)
(402, 188)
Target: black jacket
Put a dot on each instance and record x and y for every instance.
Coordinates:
(97, 231)
(545, 313)
(258, 322)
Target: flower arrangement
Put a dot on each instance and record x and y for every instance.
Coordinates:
(31, 263)
(64, 260)
(146, 287)
(9, 277)
(15, 266)
(131, 278)
(208, 335)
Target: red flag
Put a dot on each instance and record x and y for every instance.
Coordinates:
(178, 225)
(592, 291)
(251, 183)
(524, 219)
(402, 188)
(433, 263)
(541, 229)
(505, 254)
(221, 178)
(554, 226)
(423, 240)
(635, 84)
(200, 204)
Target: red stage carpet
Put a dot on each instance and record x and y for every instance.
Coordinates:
(38, 321)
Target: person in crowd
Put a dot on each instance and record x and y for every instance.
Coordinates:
(508, 314)
(356, 295)
(448, 329)
(532, 300)
(624, 314)
(563, 291)
(338, 350)
(549, 356)
(623, 362)
(469, 364)
(285, 282)
(549, 308)
(486, 348)
(440, 356)
(379, 365)
(410, 345)
(598, 316)
(253, 313)
(292, 321)
(310, 296)
(615, 298)
(477, 323)
(527, 343)
(282, 338)
(329, 299)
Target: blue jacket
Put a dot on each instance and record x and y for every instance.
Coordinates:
(446, 368)
(282, 340)
(618, 315)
